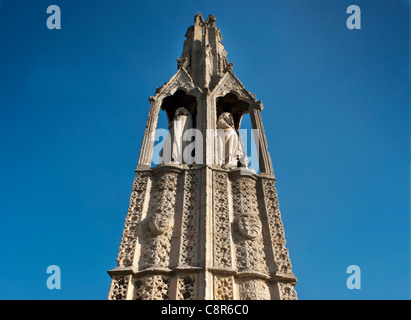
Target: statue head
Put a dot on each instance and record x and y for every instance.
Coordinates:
(182, 112)
(226, 117)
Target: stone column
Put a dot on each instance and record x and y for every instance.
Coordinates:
(146, 152)
(265, 163)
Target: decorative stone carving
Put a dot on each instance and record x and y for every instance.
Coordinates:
(230, 83)
(250, 256)
(223, 64)
(229, 67)
(276, 228)
(160, 224)
(254, 290)
(249, 225)
(282, 259)
(155, 251)
(190, 220)
(221, 221)
(181, 79)
(182, 63)
(273, 212)
(128, 241)
(119, 288)
(152, 288)
(223, 288)
(186, 288)
(248, 239)
(287, 291)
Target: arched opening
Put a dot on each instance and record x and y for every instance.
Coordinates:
(178, 115)
(239, 110)
(231, 103)
(177, 100)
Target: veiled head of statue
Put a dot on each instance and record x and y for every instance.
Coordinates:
(228, 117)
(182, 112)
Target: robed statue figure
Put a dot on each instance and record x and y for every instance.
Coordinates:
(174, 143)
(230, 151)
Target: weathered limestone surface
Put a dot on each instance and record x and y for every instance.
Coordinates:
(204, 230)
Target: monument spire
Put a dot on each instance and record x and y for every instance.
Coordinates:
(204, 56)
(200, 223)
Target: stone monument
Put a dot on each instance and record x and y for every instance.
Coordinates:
(209, 228)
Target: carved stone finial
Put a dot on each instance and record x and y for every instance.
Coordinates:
(182, 62)
(198, 19)
(229, 67)
(210, 21)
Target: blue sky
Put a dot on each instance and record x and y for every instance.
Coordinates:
(73, 107)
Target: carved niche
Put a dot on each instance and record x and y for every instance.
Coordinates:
(190, 220)
(221, 221)
(247, 235)
(157, 231)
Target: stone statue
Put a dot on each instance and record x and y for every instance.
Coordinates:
(229, 146)
(174, 145)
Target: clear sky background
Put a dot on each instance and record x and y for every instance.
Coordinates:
(73, 108)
